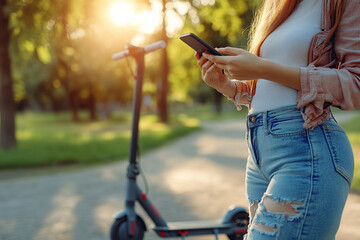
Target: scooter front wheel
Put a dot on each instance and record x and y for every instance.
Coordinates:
(119, 230)
(239, 219)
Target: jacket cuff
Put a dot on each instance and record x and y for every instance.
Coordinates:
(242, 96)
(312, 97)
(310, 86)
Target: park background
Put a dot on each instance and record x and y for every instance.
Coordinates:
(64, 92)
(64, 104)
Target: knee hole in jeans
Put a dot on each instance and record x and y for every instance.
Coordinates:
(287, 208)
(253, 207)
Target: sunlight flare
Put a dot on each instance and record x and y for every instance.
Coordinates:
(123, 13)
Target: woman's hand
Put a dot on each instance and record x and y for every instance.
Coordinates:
(243, 65)
(214, 77)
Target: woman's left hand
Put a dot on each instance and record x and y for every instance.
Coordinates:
(241, 65)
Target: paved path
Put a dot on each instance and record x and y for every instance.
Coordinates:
(196, 177)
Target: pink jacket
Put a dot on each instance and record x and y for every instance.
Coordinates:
(322, 84)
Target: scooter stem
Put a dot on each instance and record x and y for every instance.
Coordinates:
(137, 96)
(133, 169)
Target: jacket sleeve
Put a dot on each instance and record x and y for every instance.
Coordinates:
(339, 87)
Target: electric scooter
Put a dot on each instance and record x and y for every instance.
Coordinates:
(127, 224)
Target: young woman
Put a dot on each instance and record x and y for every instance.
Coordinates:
(305, 57)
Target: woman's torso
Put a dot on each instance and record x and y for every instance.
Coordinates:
(287, 45)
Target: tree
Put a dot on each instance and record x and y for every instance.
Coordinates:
(163, 84)
(7, 105)
(64, 42)
(78, 41)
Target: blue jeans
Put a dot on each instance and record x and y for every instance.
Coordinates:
(297, 180)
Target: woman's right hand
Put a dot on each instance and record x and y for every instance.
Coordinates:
(214, 77)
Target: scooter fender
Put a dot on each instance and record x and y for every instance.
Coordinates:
(123, 214)
(120, 215)
(231, 212)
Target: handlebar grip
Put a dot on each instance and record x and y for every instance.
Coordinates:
(149, 48)
(154, 46)
(120, 55)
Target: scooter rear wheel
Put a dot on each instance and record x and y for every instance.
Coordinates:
(239, 219)
(119, 230)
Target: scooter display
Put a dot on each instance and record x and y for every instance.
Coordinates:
(128, 225)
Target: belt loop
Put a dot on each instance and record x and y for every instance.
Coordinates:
(265, 122)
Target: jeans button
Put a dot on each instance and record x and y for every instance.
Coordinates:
(253, 119)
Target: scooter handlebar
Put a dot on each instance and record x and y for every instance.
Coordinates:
(154, 46)
(120, 55)
(149, 48)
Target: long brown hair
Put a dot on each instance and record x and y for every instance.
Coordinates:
(272, 13)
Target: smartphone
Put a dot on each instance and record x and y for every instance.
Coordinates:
(198, 44)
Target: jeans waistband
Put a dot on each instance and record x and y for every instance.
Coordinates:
(279, 114)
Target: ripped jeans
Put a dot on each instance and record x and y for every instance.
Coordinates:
(297, 180)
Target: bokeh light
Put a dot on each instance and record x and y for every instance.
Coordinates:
(123, 13)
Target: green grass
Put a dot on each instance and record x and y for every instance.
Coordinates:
(46, 139)
(352, 129)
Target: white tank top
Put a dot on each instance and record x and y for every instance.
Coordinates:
(287, 45)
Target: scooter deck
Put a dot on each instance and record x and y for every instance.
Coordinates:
(197, 225)
(176, 229)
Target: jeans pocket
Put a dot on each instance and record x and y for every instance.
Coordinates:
(287, 127)
(340, 149)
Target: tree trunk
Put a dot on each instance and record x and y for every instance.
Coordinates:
(92, 103)
(72, 96)
(163, 85)
(70, 92)
(7, 104)
(217, 101)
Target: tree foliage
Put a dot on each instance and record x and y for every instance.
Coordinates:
(64, 45)
(61, 50)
